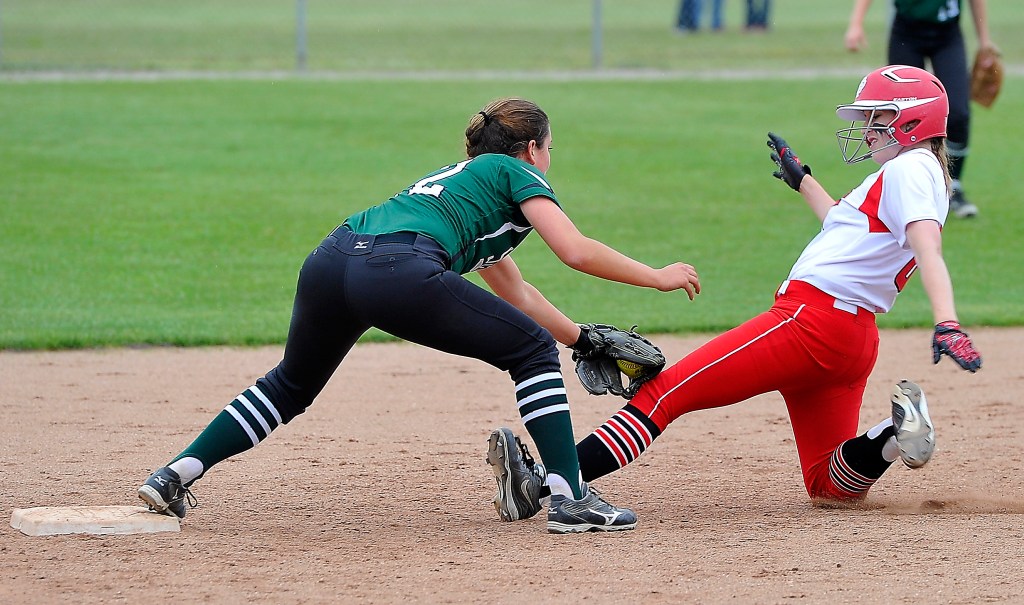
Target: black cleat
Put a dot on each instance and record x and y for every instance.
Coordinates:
(519, 478)
(165, 494)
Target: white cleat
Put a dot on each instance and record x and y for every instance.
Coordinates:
(915, 433)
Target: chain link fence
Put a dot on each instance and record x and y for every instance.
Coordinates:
(406, 36)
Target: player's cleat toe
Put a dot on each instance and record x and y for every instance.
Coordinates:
(518, 476)
(165, 494)
(915, 433)
(590, 513)
(960, 206)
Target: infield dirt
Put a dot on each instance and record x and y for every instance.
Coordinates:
(380, 493)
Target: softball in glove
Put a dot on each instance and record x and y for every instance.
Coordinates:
(604, 353)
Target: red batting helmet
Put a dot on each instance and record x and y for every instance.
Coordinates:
(918, 98)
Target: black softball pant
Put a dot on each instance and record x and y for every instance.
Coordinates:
(911, 42)
(401, 284)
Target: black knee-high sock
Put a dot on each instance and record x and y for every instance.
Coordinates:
(957, 159)
(858, 462)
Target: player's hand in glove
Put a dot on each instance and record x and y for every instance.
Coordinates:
(950, 340)
(790, 169)
(602, 352)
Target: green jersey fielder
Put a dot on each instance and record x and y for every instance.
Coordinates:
(399, 267)
(471, 209)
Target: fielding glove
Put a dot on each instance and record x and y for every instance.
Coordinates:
(603, 353)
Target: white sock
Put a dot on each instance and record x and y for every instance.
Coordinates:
(188, 468)
(876, 430)
(560, 486)
(891, 450)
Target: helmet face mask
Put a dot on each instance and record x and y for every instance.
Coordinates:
(856, 135)
(916, 96)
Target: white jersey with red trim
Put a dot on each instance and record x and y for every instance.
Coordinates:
(862, 256)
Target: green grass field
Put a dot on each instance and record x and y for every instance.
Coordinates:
(179, 212)
(445, 35)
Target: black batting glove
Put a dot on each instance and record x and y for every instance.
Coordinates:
(950, 340)
(790, 169)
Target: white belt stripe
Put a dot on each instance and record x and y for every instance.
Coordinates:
(259, 395)
(538, 378)
(256, 413)
(724, 357)
(545, 411)
(244, 424)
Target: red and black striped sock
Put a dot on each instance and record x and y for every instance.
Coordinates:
(858, 463)
(616, 443)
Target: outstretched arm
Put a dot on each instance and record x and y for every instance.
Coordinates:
(816, 197)
(592, 257)
(506, 281)
(798, 176)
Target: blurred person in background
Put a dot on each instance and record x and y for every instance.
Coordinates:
(757, 15)
(930, 30)
(688, 19)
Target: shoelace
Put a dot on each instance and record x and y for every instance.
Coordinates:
(188, 497)
(525, 451)
(593, 490)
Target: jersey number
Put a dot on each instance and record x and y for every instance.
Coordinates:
(429, 185)
(951, 10)
(904, 275)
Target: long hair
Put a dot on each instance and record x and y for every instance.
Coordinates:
(506, 126)
(938, 146)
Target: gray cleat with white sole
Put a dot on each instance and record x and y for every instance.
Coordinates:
(590, 513)
(915, 433)
(519, 477)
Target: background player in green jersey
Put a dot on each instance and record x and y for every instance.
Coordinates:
(398, 267)
(930, 30)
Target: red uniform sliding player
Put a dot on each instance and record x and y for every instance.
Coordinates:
(818, 343)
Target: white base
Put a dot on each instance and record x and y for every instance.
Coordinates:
(53, 520)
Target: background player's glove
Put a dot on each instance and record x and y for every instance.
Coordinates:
(950, 340)
(790, 169)
(986, 76)
(603, 351)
